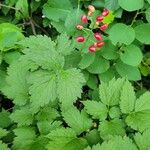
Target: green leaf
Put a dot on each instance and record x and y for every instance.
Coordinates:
(3, 146)
(132, 55)
(143, 102)
(97, 109)
(127, 98)
(5, 120)
(65, 139)
(142, 33)
(22, 117)
(132, 73)
(139, 120)
(111, 128)
(64, 45)
(78, 121)
(87, 60)
(45, 56)
(43, 88)
(143, 140)
(22, 9)
(70, 92)
(148, 14)
(17, 87)
(2, 79)
(112, 4)
(148, 1)
(130, 5)
(109, 51)
(25, 134)
(3, 132)
(115, 112)
(99, 65)
(57, 10)
(110, 93)
(72, 20)
(9, 35)
(118, 143)
(122, 34)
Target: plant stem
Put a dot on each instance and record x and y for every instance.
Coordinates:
(6, 6)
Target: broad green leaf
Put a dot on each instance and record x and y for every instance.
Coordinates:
(3, 146)
(131, 5)
(60, 26)
(115, 112)
(16, 86)
(111, 128)
(122, 34)
(143, 140)
(22, 117)
(65, 139)
(139, 120)
(108, 75)
(93, 137)
(127, 98)
(5, 119)
(112, 4)
(142, 33)
(22, 9)
(148, 1)
(57, 10)
(99, 65)
(72, 20)
(25, 134)
(3, 132)
(78, 121)
(109, 51)
(97, 109)
(131, 55)
(43, 88)
(143, 102)
(124, 70)
(2, 79)
(118, 143)
(148, 14)
(70, 92)
(9, 35)
(87, 60)
(110, 93)
(45, 55)
(63, 45)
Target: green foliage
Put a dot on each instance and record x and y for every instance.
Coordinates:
(57, 95)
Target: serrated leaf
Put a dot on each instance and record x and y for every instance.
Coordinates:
(3, 132)
(97, 109)
(127, 98)
(65, 139)
(131, 55)
(143, 140)
(16, 87)
(25, 134)
(130, 5)
(124, 70)
(110, 93)
(5, 120)
(63, 45)
(142, 33)
(43, 88)
(3, 146)
(78, 121)
(57, 10)
(111, 128)
(45, 56)
(69, 92)
(122, 34)
(22, 117)
(115, 112)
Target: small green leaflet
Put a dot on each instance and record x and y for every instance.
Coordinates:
(78, 121)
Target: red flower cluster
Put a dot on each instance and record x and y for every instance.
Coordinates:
(98, 21)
